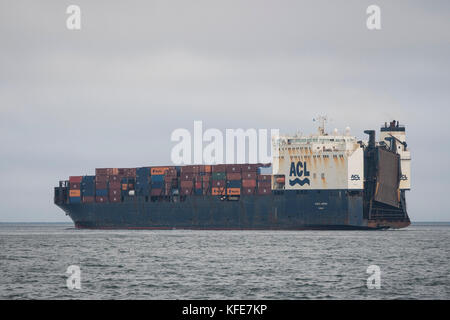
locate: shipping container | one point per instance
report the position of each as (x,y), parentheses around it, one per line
(74,199)
(186,191)
(156,192)
(143,172)
(114,192)
(101,178)
(249,183)
(234,184)
(186,176)
(74,185)
(198,191)
(114,185)
(218,168)
(115,198)
(74,193)
(218,191)
(218,183)
(206,178)
(157,185)
(101,192)
(198,185)
(233,191)
(101,198)
(207,169)
(249,175)
(88,199)
(264,177)
(187,169)
(158,170)
(100,185)
(114,178)
(187,184)
(264,184)
(219,176)
(124,186)
(233,168)
(234,176)
(75,179)
(157,178)
(103,171)
(250,167)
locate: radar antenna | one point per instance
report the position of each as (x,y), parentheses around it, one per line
(322,120)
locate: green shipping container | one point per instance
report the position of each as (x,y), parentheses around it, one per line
(219,176)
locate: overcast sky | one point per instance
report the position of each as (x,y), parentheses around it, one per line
(110,94)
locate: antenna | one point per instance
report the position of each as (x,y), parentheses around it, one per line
(322,120)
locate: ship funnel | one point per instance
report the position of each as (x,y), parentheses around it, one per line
(371,134)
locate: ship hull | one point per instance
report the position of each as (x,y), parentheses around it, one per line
(288,210)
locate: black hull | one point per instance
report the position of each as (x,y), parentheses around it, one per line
(288,210)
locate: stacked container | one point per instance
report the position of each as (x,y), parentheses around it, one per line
(75,189)
(101,183)
(88,189)
(142,181)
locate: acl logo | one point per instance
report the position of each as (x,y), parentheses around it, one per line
(355,177)
(298,171)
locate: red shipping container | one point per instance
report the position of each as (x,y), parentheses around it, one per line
(114,192)
(264,190)
(156,192)
(250,167)
(101,178)
(264,184)
(101,199)
(206,178)
(218,168)
(187,184)
(264,177)
(248,191)
(249,183)
(74,185)
(234,176)
(233,168)
(114,185)
(187,169)
(114,198)
(198,185)
(103,171)
(206,184)
(186,191)
(75,179)
(249,175)
(88,199)
(100,185)
(218,183)
(114,178)
(186,176)
(172,172)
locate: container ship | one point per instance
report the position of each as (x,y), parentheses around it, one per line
(319,181)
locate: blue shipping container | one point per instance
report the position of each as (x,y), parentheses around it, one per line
(101,192)
(74,199)
(158,178)
(234,183)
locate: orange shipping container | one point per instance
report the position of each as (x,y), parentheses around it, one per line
(74,193)
(158,170)
(218,191)
(207,168)
(233,191)
(124,186)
